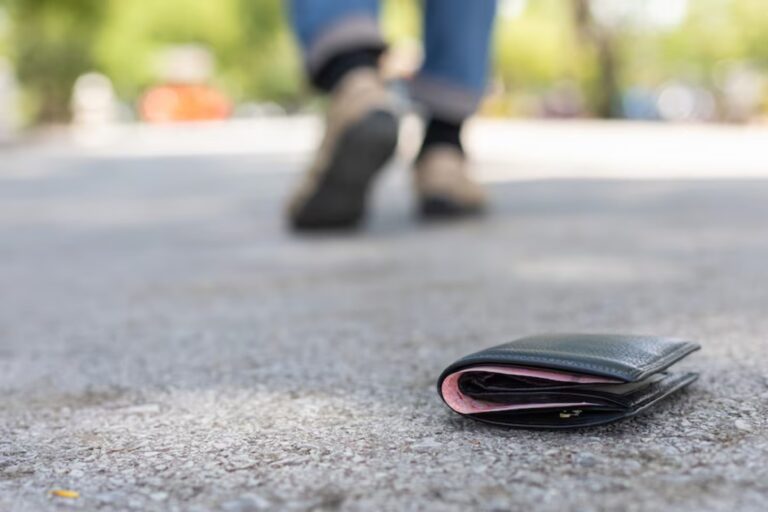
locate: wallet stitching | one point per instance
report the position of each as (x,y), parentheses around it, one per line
(649,367)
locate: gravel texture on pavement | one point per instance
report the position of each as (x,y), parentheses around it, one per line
(165,344)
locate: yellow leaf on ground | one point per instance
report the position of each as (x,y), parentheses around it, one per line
(65,493)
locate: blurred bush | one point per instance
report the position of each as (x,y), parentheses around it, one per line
(52,43)
(55,41)
(249,40)
(553,57)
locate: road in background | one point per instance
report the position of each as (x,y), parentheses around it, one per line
(168,345)
(507,150)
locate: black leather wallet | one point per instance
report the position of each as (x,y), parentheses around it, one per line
(565,380)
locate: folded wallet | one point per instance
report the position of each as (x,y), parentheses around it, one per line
(565,380)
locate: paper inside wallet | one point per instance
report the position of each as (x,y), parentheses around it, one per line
(462,403)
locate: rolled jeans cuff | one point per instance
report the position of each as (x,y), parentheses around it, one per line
(444,100)
(351,33)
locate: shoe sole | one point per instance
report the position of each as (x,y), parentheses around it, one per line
(436,208)
(339,200)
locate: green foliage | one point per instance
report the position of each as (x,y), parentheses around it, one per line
(267,64)
(54,41)
(541,47)
(401,19)
(5,27)
(134,31)
(57,40)
(253,51)
(537,48)
(53,46)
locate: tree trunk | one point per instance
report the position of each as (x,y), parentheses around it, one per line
(608,93)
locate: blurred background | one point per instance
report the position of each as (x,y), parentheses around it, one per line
(97,61)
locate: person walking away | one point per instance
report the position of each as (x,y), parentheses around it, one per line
(341,44)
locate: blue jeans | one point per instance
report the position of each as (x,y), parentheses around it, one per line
(457,37)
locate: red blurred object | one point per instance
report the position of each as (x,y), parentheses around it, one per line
(184,102)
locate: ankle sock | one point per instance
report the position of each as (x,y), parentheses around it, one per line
(441,132)
(334,70)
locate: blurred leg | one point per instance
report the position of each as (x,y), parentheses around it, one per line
(457,36)
(342,44)
(450,85)
(336,36)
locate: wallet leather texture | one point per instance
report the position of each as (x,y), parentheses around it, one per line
(565,380)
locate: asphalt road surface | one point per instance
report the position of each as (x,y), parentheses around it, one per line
(165,344)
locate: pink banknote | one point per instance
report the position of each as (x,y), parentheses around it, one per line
(464,404)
